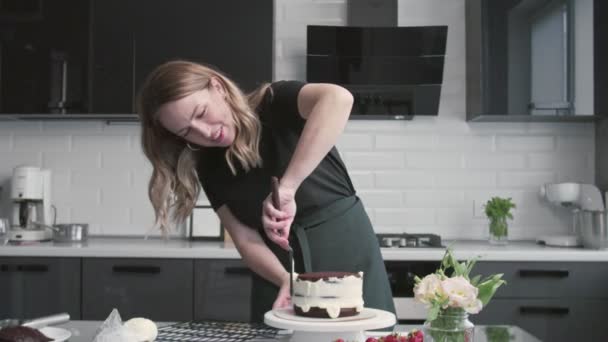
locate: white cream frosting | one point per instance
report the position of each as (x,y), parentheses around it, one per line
(331,294)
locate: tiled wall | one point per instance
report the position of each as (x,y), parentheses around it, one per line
(425,175)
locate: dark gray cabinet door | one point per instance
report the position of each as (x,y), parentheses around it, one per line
(222,290)
(158,289)
(548,279)
(33,287)
(550,319)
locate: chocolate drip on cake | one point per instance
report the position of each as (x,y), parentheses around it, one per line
(328,294)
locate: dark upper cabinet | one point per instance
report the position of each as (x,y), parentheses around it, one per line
(535,60)
(75,56)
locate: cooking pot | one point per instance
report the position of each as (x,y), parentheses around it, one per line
(591,228)
(70,232)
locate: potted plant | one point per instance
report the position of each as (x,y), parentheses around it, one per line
(498,210)
(451,295)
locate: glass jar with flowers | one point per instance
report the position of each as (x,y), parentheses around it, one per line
(451,296)
(498,210)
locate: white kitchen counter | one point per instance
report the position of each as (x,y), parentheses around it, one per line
(123,247)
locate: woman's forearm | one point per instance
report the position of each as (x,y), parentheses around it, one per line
(325,122)
(252,248)
(260,259)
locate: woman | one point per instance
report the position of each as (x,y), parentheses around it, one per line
(197,126)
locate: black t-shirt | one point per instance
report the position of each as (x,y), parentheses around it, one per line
(282,125)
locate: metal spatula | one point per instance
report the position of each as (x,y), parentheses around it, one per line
(276,201)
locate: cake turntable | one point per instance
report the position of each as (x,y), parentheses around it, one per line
(306,329)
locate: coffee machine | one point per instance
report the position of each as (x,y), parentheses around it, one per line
(31,207)
(577,198)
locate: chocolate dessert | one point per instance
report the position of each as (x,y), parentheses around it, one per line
(22,334)
(328,294)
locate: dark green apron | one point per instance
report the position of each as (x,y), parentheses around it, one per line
(338,237)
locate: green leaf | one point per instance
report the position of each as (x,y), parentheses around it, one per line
(433,312)
(475,280)
(488,288)
(498,207)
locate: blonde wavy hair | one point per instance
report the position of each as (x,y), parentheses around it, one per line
(174,182)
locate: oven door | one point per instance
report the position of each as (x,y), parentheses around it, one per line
(401,276)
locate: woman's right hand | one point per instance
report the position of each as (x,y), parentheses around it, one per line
(277,223)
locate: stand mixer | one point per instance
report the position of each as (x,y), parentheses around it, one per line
(578,198)
(31,196)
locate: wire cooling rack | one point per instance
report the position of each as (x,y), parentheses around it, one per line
(216,331)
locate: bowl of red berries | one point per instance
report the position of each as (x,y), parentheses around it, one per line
(412,336)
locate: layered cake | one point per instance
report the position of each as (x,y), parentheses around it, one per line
(328,294)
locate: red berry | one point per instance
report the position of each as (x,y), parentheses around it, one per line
(390,338)
(339,340)
(371,339)
(402,339)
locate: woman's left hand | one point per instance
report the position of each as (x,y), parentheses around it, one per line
(277,222)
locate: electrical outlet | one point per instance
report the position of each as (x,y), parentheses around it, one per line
(479,210)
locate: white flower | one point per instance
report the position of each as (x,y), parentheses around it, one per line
(461,294)
(474,307)
(428,288)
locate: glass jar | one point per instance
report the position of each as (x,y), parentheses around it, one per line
(499,230)
(451,325)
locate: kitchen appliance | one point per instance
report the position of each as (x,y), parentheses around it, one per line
(392,72)
(581,200)
(406,240)
(31,196)
(70,232)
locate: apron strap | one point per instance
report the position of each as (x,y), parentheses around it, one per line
(315,218)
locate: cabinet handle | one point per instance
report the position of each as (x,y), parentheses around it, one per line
(544,273)
(237,271)
(136,269)
(544,310)
(33,268)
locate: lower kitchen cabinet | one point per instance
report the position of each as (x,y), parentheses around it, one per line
(550,319)
(158,289)
(34,287)
(555,301)
(222,290)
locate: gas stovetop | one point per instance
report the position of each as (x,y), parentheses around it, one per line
(406,240)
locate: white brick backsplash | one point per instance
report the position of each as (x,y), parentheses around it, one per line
(423,175)
(525,179)
(575,144)
(381,199)
(495,161)
(405,217)
(72,160)
(46,143)
(464,179)
(403,179)
(355,142)
(404,142)
(465,143)
(94,143)
(323,13)
(72,127)
(433,160)
(6,143)
(434,199)
(559,161)
(454,216)
(20,127)
(101,178)
(362,179)
(525,143)
(373,160)
(119,159)
(12,159)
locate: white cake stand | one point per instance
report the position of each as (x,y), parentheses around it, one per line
(319,329)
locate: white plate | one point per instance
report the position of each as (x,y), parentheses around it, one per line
(57,334)
(289,314)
